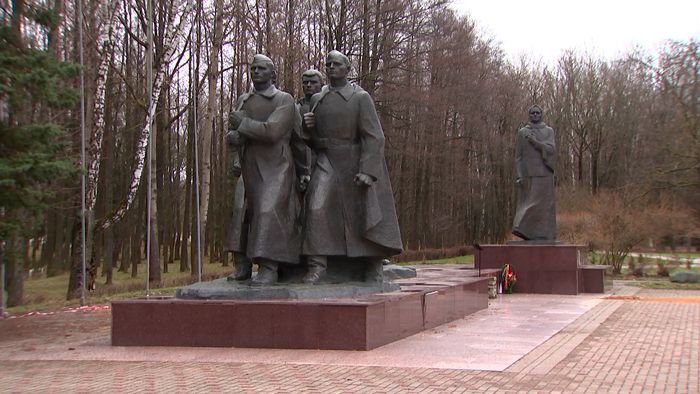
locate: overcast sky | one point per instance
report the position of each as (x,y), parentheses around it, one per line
(545,28)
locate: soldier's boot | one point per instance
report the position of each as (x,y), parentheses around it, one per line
(243,267)
(267,273)
(374,270)
(317,269)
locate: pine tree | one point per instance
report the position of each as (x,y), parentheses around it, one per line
(33,153)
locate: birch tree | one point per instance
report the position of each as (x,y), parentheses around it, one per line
(210,115)
(173,35)
(105,38)
(175,23)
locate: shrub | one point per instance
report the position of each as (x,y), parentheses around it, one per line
(661,268)
(631,266)
(638,269)
(627,218)
(575,227)
(432,254)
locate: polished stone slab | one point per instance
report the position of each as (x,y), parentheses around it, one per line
(392,271)
(356,323)
(223,289)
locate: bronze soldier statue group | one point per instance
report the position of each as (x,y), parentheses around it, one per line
(311,189)
(314,185)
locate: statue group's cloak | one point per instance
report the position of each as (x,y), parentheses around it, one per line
(342,218)
(266,220)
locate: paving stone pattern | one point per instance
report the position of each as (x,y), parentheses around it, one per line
(618,346)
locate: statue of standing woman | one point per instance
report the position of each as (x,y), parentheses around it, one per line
(535,156)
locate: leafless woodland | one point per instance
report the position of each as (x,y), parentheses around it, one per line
(449,99)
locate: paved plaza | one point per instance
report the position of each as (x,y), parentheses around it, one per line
(628,341)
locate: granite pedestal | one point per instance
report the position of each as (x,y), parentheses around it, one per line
(352,323)
(546,267)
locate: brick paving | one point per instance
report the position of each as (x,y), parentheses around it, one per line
(635,345)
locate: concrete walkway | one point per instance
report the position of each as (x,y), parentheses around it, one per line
(633,341)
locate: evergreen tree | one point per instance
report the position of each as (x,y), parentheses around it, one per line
(33,152)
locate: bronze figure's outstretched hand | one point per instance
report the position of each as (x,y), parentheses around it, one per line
(234,139)
(310,120)
(363,180)
(533,141)
(234,119)
(304,182)
(237,170)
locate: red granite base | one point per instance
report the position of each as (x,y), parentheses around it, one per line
(362,323)
(594,278)
(546,269)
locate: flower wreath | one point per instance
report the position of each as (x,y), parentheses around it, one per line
(508,278)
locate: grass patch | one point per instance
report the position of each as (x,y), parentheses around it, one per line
(467,259)
(595,257)
(676,254)
(663,284)
(49,294)
(650,278)
(656,267)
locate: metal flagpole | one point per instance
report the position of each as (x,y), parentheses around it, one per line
(2,273)
(149,71)
(2,289)
(82,152)
(196,159)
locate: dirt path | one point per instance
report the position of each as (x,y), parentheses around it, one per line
(63,329)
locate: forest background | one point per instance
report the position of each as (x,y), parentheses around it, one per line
(449,99)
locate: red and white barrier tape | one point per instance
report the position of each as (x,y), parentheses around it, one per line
(72,310)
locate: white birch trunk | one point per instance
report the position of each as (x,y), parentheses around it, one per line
(98,124)
(172,37)
(154,268)
(97,128)
(209,119)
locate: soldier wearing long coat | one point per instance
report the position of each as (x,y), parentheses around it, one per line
(266,225)
(535,156)
(311,82)
(349,207)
